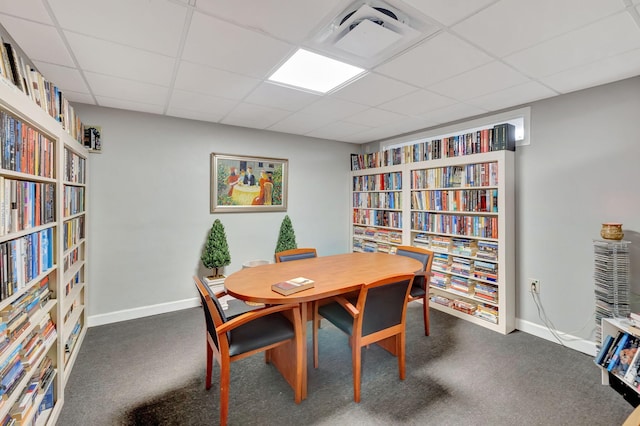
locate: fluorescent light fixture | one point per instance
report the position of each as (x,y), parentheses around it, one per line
(308,70)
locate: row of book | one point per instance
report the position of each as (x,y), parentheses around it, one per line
(496,138)
(25,204)
(18,71)
(458,176)
(73,282)
(378,182)
(73,200)
(465,200)
(470,226)
(23,259)
(71,341)
(620,355)
(378,234)
(465,286)
(25,149)
(384,218)
(72,232)
(377,200)
(14,319)
(74,167)
(486,250)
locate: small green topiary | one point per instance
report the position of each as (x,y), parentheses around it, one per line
(216,252)
(287,237)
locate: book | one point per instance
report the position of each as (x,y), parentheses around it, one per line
(292,286)
(623,355)
(606,344)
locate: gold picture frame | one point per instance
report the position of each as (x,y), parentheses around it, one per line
(248,184)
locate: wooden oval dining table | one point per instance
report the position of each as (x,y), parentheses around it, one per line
(332,275)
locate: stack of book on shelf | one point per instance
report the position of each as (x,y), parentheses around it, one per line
(485,270)
(461,285)
(487,250)
(486,292)
(440,261)
(463,306)
(487,312)
(436,298)
(461,266)
(464,246)
(439,279)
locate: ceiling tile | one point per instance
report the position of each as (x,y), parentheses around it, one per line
(65,78)
(605,71)
(194,115)
(105,85)
(254,116)
(209,81)
(250,53)
(434,60)
(300,123)
(108,102)
(33,10)
(611,36)
(293,21)
(269,94)
(417,103)
(516,95)
(332,109)
(374,117)
(373,89)
(154,25)
(454,112)
(480,81)
(523,23)
(337,130)
(215,108)
(29,36)
(77,97)
(448,11)
(121,61)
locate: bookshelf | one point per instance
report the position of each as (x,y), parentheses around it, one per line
(454,196)
(43,253)
(377,210)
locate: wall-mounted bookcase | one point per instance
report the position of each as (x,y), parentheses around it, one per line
(42,252)
(458,202)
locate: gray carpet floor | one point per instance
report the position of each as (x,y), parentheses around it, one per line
(150,371)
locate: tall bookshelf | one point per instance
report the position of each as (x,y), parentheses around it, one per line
(458,201)
(377,210)
(43,256)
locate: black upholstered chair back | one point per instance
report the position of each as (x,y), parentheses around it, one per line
(383,306)
(207,295)
(296,254)
(423,256)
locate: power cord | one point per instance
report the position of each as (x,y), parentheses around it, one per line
(561,337)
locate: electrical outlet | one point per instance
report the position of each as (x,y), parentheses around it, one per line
(534,285)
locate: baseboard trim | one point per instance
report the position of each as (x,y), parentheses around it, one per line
(577,343)
(141,312)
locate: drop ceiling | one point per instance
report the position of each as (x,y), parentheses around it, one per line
(209,59)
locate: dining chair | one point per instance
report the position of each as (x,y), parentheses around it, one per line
(260,330)
(377,315)
(296,254)
(420,287)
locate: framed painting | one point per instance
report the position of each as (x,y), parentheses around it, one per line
(248,184)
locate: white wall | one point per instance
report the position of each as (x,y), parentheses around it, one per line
(580,170)
(149,206)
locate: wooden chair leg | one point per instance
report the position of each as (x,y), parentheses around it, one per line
(356,353)
(400,341)
(314,323)
(425,313)
(225,374)
(207,382)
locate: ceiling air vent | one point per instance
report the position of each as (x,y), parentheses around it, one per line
(369,31)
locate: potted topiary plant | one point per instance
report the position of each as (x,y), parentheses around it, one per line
(287,237)
(215,255)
